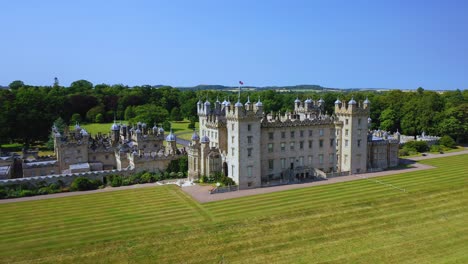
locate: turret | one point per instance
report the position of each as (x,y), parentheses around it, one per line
(248,104)
(258,107)
(207,109)
(366,104)
(115,132)
(171,143)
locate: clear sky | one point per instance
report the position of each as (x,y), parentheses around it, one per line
(344,44)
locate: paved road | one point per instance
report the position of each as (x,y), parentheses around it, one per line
(182,141)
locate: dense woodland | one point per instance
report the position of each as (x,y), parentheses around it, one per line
(27,112)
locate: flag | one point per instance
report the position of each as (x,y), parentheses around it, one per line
(241,83)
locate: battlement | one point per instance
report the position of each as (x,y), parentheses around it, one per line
(352,107)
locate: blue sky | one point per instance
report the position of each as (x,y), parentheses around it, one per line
(344,44)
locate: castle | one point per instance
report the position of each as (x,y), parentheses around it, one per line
(136,148)
(255,149)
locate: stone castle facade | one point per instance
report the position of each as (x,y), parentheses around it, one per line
(257,149)
(135,148)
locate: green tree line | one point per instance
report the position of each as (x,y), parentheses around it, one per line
(27,112)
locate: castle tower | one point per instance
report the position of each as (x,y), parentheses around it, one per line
(194,157)
(204,150)
(243,159)
(353,133)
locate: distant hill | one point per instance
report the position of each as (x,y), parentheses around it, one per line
(291,88)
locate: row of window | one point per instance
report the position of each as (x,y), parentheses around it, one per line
(292,145)
(299,161)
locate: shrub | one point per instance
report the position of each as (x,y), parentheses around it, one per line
(3,194)
(435,148)
(416,146)
(447,141)
(84,184)
(25,193)
(127,181)
(115,180)
(191,125)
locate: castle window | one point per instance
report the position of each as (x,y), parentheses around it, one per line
(282,146)
(359,121)
(346,132)
(78,151)
(359,131)
(301,145)
(232,139)
(270,147)
(249,127)
(283,134)
(346,121)
(337,132)
(321,132)
(310,133)
(249,152)
(144,146)
(310,143)
(283,163)
(107,157)
(359,143)
(310,160)
(291,145)
(331,142)
(321,143)
(302,133)
(249,139)
(270,164)
(321,158)
(331,157)
(249,171)
(232,127)
(232,149)
(346,143)
(292,134)
(270,135)
(345,159)
(301,161)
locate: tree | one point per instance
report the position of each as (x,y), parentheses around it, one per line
(150,114)
(16,85)
(129,113)
(81,86)
(175,114)
(56,82)
(99,118)
(389,120)
(75,119)
(93,112)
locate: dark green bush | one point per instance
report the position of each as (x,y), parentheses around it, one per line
(447,141)
(84,184)
(416,146)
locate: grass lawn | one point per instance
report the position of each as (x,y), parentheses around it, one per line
(104,128)
(352,222)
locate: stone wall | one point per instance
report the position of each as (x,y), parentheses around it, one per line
(67,179)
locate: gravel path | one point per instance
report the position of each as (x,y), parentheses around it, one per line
(202,195)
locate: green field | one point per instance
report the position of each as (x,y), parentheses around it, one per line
(104,128)
(352,222)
